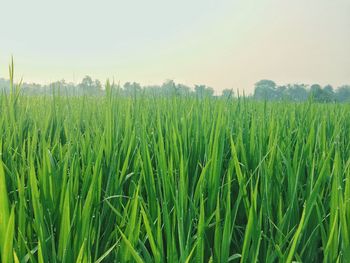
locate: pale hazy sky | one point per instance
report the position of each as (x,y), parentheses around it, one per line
(224,44)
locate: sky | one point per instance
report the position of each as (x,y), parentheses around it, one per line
(224,44)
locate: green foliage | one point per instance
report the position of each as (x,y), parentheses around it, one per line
(267,90)
(172,179)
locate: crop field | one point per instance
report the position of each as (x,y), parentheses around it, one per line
(172,179)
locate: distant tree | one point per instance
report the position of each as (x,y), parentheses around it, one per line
(321,95)
(265,90)
(199,90)
(183,90)
(328,88)
(281,92)
(87,82)
(132,88)
(315,88)
(329,93)
(98,84)
(297,92)
(316,92)
(203,91)
(209,91)
(153,90)
(88,86)
(169,87)
(227,93)
(342,94)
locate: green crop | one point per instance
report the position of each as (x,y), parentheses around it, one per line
(172,179)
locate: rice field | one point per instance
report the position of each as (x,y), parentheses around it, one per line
(172,179)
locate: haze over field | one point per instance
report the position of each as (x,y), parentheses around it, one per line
(224,44)
(130,138)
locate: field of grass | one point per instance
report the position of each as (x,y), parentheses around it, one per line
(180,179)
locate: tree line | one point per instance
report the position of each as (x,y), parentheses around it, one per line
(269,90)
(263,90)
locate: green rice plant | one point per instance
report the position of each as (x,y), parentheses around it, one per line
(172,179)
